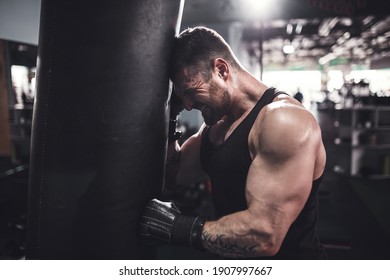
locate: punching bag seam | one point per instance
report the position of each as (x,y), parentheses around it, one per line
(44,130)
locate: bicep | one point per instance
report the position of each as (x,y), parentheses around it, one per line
(280,177)
(279,189)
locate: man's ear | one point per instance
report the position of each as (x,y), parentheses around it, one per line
(222,67)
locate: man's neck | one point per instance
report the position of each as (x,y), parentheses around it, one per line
(247,92)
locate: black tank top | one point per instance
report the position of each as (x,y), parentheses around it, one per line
(227,166)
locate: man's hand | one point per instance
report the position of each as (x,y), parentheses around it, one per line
(157,222)
(162,223)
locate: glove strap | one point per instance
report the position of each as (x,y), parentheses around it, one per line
(187,231)
(196,233)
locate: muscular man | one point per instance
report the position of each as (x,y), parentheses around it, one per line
(261,149)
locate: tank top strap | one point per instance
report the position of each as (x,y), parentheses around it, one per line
(267,97)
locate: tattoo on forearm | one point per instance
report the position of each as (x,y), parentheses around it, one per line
(223,246)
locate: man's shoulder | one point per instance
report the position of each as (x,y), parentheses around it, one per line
(282,125)
(283,111)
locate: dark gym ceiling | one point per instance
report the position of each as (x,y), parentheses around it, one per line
(338,31)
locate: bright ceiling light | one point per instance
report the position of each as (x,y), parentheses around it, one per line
(289,28)
(258,7)
(288,49)
(298,29)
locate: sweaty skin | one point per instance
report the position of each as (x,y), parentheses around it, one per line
(285,135)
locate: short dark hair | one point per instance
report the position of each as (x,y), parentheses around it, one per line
(196,48)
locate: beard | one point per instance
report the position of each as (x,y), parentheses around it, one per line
(220,103)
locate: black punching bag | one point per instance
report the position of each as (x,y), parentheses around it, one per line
(99,126)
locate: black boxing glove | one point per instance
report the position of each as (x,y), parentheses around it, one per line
(175,109)
(162,223)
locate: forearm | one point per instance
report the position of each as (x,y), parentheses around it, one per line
(233,236)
